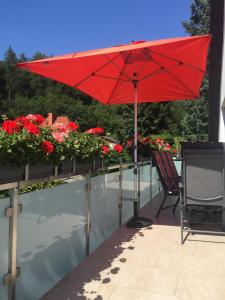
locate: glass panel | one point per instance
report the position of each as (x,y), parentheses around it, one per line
(4,238)
(144,185)
(104,208)
(51,237)
(128,193)
(156,187)
(178,164)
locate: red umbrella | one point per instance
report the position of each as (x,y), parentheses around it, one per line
(154,71)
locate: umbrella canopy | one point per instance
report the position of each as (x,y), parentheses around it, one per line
(155,71)
(166,70)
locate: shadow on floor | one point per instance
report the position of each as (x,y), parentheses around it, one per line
(99,266)
(95,269)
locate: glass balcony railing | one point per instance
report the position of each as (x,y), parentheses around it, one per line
(60,226)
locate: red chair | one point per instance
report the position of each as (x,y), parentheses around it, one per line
(168,176)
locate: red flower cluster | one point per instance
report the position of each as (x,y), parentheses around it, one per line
(105,150)
(31,128)
(59,127)
(38,119)
(30,123)
(129,143)
(59,136)
(118,148)
(22,121)
(10,126)
(167,147)
(47,147)
(72,126)
(96,130)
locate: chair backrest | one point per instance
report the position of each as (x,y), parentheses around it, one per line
(203,173)
(166,169)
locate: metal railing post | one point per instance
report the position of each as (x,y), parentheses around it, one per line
(11,212)
(120,204)
(13,242)
(74,165)
(56,168)
(26,177)
(88,213)
(139,187)
(150,165)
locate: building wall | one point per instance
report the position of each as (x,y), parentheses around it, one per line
(216,72)
(222,89)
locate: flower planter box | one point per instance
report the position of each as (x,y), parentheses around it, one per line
(41,171)
(66,167)
(82,168)
(11,173)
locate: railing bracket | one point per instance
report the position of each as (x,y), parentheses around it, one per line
(87,227)
(7,278)
(87,186)
(9,210)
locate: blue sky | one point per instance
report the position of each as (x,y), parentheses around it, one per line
(57,27)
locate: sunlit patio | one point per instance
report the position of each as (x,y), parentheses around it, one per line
(149,263)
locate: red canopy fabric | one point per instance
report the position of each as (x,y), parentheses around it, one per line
(166,70)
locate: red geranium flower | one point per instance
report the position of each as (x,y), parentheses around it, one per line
(31,117)
(47,147)
(59,136)
(146,140)
(158,140)
(167,147)
(174,151)
(60,127)
(118,148)
(31,128)
(10,126)
(38,119)
(129,143)
(105,150)
(72,126)
(22,121)
(97,130)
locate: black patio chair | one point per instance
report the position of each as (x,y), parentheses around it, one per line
(202,199)
(168,176)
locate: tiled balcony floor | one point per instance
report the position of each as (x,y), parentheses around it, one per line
(149,264)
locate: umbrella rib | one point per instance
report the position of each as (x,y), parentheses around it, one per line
(143,65)
(184,85)
(175,77)
(121,72)
(177,60)
(152,74)
(93,73)
(108,77)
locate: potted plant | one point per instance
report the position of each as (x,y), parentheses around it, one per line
(88,149)
(177,142)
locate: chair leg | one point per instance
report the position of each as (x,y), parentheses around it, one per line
(182,224)
(161,206)
(175,206)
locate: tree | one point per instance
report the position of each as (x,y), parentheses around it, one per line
(195,122)
(198,22)
(10,72)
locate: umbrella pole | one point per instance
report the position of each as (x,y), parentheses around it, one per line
(136,221)
(135,151)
